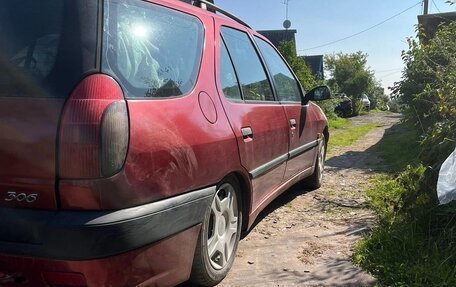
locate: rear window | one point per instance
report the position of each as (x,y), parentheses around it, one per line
(46,46)
(153,51)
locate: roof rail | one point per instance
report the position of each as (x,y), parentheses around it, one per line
(205,4)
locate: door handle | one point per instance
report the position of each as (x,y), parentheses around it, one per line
(247,133)
(292,123)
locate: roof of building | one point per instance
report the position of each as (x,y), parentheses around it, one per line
(431,22)
(278,36)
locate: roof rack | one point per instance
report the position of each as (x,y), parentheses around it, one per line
(204,4)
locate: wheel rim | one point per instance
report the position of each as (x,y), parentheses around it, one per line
(321,160)
(223,226)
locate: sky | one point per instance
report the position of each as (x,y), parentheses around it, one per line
(319,22)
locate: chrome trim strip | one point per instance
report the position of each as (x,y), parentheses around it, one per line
(268,166)
(283,158)
(302,149)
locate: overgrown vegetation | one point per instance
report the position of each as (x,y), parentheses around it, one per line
(414,243)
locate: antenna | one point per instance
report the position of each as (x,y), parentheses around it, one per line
(286,3)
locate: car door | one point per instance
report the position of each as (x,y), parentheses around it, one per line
(257,119)
(300,118)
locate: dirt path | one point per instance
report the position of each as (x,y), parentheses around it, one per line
(305,238)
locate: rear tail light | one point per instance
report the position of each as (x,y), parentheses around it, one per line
(114,143)
(94,130)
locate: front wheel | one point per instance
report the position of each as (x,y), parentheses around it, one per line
(219,236)
(315,180)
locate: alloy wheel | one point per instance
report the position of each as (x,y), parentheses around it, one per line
(223,226)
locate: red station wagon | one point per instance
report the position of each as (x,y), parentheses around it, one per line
(138,139)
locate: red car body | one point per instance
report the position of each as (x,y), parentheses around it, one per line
(60,230)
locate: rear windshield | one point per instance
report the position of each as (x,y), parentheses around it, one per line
(46,46)
(154,52)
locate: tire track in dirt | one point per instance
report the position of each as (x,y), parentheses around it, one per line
(305,238)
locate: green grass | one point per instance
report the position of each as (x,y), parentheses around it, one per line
(349,135)
(400,146)
(338,123)
(414,242)
(407,256)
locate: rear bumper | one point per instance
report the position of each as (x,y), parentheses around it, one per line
(82,235)
(165,263)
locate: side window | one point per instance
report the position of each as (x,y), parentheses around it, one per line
(287,87)
(230,84)
(153,51)
(252,76)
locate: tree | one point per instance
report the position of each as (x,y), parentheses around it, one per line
(350,75)
(349,72)
(377,96)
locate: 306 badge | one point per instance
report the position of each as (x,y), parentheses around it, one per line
(21,197)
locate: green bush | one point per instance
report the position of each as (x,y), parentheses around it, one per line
(395,106)
(428,91)
(405,254)
(328,107)
(414,243)
(381,102)
(402,198)
(357,106)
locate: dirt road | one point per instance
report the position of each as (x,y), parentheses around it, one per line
(305,238)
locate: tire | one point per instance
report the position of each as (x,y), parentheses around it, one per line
(314,181)
(219,236)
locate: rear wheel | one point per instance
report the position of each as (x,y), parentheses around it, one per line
(219,236)
(315,180)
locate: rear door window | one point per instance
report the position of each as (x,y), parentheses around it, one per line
(230,84)
(252,76)
(286,86)
(46,46)
(154,52)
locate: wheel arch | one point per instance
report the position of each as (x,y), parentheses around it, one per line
(246,196)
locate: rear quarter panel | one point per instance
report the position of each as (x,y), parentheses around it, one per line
(174,147)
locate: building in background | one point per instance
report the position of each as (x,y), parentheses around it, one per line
(278,36)
(315,62)
(430,22)
(316,66)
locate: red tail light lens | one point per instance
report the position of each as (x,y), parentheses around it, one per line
(94,130)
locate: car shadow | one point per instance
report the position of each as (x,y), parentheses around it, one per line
(337,272)
(286,197)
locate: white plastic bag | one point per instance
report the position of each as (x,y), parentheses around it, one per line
(446,185)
